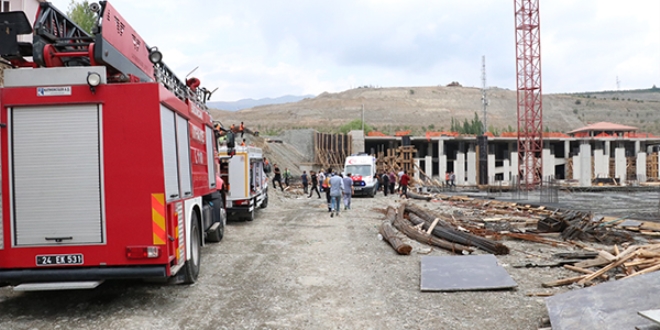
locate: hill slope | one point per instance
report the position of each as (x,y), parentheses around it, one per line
(417,108)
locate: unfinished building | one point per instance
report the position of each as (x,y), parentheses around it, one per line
(586,156)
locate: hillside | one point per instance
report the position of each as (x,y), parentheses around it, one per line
(418,108)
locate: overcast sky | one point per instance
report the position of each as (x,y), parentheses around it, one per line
(257,49)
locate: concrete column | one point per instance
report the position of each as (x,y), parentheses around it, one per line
(585,164)
(507,170)
(416,169)
(620,164)
(428,166)
(637,146)
(548,164)
(606,151)
(471,167)
(357,141)
(514,165)
(601,164)
(491,168)
(459,168)
(641,167)
(576,168)
(442,164)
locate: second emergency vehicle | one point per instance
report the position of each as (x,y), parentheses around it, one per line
(246,182)
(363,172)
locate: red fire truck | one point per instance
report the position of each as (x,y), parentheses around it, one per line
(108,159)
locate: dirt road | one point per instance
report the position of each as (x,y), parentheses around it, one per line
(294,267)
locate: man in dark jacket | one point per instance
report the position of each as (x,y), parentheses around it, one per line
(278,177)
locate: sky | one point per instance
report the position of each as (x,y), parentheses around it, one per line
(257,49)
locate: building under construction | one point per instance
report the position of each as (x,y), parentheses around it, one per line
(602,152)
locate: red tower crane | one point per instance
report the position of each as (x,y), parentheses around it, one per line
(530,109)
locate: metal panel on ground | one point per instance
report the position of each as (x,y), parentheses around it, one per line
(653,315)
(464,273)
(611,305)
(170,164)
(56,183)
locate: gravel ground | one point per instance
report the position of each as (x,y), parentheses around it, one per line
(295,267)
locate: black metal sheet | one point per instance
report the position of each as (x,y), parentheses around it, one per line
(464,273)
(611,305)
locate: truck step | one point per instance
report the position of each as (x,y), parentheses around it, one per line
(85,285)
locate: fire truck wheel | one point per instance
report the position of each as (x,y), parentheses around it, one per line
(264,203)
(191,268)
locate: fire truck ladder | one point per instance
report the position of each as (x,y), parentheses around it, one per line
(58,41)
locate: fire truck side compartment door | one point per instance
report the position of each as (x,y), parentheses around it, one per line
(170,164)
(55,175)
(183,144)
(210,157)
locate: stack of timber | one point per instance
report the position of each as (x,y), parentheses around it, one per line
(390,234)
(425,237)
(631,167)
(634,260)
(440,227)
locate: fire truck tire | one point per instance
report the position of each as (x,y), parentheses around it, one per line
(191,268)
(264,203)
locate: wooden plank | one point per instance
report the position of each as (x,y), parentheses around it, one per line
(648,225)
(607,268)
(564,281)
(433,224)
(598,261)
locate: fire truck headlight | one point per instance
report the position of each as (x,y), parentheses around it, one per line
(93,79)
(155,56)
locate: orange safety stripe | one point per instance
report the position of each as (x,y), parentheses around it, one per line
(158,218)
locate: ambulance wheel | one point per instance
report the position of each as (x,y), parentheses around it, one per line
(250,215)
(191,268)
(264,203)
(372,193)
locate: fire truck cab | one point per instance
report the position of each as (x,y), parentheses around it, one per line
(247,185)
(108,159)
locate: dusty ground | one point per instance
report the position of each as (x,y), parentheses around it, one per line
(295,267)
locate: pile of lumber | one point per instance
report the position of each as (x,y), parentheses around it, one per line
(634,260)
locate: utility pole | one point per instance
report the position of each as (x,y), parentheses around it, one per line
(362,118)
(484,100)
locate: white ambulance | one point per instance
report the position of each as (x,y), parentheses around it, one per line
(245,181)
(363,172)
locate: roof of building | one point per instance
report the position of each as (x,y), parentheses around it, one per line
(604,126)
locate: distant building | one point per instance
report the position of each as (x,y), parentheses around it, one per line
(604,129)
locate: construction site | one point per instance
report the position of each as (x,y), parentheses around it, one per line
(163,221)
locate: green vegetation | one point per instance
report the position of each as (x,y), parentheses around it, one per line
(474,127)
(355,125)
(80,13)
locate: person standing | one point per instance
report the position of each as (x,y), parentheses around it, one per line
(336,190)
(403,184)
(447,179)
(241,129)
(452,179)
(392,182)
(315,184)
(305,183)
(348,191)
(399,175)
(326,188)
(386,182)
(287,176)
(278,177)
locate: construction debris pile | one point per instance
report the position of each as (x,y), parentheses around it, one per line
(465,224)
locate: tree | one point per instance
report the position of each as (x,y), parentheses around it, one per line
(355,125)
(80,13)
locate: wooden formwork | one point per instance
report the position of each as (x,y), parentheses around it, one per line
(631,167)
(612,167)
(652,166)
(330,150)
(401,158)
(569,168)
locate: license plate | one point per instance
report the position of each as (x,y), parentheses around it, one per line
(357,188)
(60,259)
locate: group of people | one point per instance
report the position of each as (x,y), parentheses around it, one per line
(277,177)
(336,186)
(388,181)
